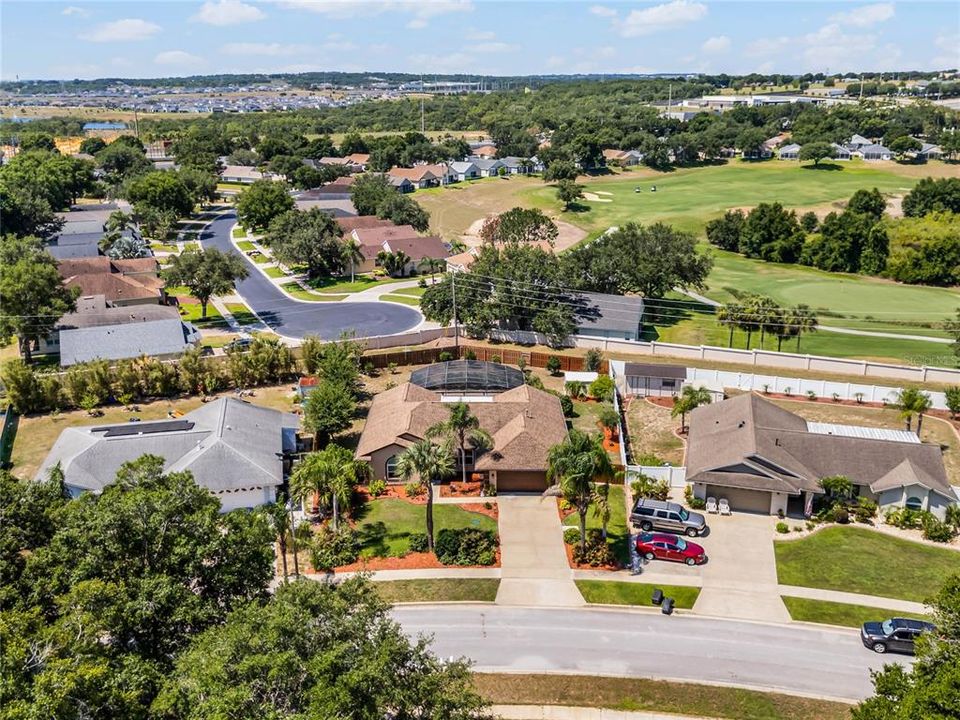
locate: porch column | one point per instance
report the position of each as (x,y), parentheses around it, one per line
(807,503)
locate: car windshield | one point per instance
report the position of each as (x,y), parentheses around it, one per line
(684,514)
(887,627)
(681,543)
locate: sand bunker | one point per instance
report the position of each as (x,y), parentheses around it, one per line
(593,197)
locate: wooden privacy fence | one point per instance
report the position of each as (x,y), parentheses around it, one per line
(415,356)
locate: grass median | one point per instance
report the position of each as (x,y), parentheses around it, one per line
(843,614)
(438,590)
(613,592)
(294,290)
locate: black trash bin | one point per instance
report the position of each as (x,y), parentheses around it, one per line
(667,607)
(657,597)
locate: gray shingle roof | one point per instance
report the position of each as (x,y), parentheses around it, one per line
(227,444)
(115,342)
(616,313)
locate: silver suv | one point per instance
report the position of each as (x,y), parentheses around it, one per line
(662,515)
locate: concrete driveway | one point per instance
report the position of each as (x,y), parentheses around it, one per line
(533,562)
(740,579)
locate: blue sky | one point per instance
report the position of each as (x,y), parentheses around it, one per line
(155,39)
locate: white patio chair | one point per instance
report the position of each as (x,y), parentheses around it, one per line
(711,505)
(724,506)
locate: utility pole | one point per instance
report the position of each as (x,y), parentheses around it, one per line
(456,324)
(136,123)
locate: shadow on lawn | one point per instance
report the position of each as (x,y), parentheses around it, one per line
(823,166)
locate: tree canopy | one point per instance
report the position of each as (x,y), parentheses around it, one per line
(312,238)
(261,202)
(206,273)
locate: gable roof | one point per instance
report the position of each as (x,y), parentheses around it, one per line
(359,222)
(419,172)
(167,336)
(524,422)
(93,311)
(616,313)
(377,234)
(227,444)
(417,247)
(114,286)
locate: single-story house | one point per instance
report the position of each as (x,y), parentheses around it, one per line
(359,160)
(487,167)
(417,248)
(361,222)
(928,151)
(875,152)
(462,261)
(243,175)
(840,152)
(763,458)
(165,338)
(423,176)
(401,184)
(858,141)
(790,152)
(122,282)
(465,170)
(517,165)
(622,158)
(609,316)
(484,150)
(233,449)
(523,421)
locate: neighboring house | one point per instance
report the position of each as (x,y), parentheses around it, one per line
(875,152)
(306,385)
(361,222)
(857,142)
(396,238)
(609,316)
(517,165)
(790,152)
(763,458)
(422,176)
(760,153)
(523,421)
(417,248)
(461,262)
(159,150)
(623,158)
(484,150)
(928,151)
(400,183)
(654,380)
(245,175)
(233,449)
(359,160)
(83,229)
(167,338)
(462,171)
(487,167)
(840,152)
(122,282)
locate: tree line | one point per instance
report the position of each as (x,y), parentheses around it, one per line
(758,314)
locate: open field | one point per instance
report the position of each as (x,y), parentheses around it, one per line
(611,592)
(636,694)
(934,430)
(91,113)
(834,613)
(858,560)
(37,433)
(438,590)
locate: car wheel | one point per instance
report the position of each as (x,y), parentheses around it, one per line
(691,532)
(649,556)
(646,526)
(690,561)
(879,648)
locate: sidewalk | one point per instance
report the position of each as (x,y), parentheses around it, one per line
(564,712)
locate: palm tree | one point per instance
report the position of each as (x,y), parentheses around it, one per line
(430,463)
(748,320)
(766,313)
(401,260)
(331,475)
(575,465)
(690,399)
(910,402)
(279,520)
(803,320)
(461,429)
(432,266)
(457,246)
(730,315)
(352,254)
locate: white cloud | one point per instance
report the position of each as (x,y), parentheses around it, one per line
(766,46)
(264,49)
(339,45)
(555,61)
(492,47)
(421,10)
(179,58)
(831,47)
(481,35)
(865,15)
(662,17)
(228,12)
(603,11)
(452,62)
(716,45)
(417,24)
(125,30)
(74,10)
(949,55)
(606,51)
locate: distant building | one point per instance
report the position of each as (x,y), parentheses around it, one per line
(609,316)
(164,339)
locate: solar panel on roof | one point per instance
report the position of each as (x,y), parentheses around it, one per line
(149,428)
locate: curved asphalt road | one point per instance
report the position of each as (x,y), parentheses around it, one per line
(296,318)
(803,660)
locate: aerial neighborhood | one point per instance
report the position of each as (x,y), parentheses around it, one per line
(421,395)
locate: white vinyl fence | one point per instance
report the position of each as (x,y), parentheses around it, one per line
(675,476)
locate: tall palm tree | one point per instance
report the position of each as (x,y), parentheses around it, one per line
(803,320)
(331,475)
(279,520)
(730,315)
(575,465)
(766,312)
(462,429)
(352,254)
(401,260)
(690,399)
(748,320)
(910,402)
(429,463)
(432,266)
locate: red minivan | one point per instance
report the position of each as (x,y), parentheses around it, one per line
(665,546)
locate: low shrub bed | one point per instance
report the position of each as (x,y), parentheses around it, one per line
(465,546)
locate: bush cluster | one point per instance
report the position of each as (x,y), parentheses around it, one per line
(377,487)
(647,487)
(598,552)
(413,489)
(933,528)
(571,536)
(466,546)
(332,549)
(419,542)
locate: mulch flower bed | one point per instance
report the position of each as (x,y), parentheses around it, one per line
(393,491)
(457,488)
(585,566)
(491,512)
(611,442)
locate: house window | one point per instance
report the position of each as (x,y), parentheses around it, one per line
(914,503)
(390,469)
(469,455)
(668,382)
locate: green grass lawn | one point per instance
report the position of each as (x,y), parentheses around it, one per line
(241,313)
(439,590)
(246,245)
(864,561)
(385,525)
(617,533)
(360,282)
(262,259)
(294,290)
(275,272)
(611,592)
(834,613)
(412,292)
(239,233)
(402,299)
(164,247)
(638,694)
(191,313)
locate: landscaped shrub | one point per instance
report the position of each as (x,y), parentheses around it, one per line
(566,404)
(936,530)
(905,518)
(649,460)
(598,551)
(413,489)
(419,542)
(782,527)
(377,487)
(691,500)
(495,358)
(331,549)
(571,536)
(553,365)
(953,517)
(839,514)
(446,356)
(647,487)
(469,355)
(592,360)
(865,511)
(811,395)
(602,388)
(811,525)
(466,546)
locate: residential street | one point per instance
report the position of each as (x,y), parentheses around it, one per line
(803,660)
(294,318)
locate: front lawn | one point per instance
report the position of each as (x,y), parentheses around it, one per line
(617,533)
(438,590)
(275,272)
(834,613)
(241,313)
(341,285)
(238,233)
(245,245)
(612,592)
(385,526)
(191,312)
(294,290)
(413,292)
(402,299)
(865,561)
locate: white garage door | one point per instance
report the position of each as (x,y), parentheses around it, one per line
(742,500)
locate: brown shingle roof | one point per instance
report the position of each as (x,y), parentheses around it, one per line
(377,235)
(418,248)
(349,224)
(524,422)
(134,278)
(113,286)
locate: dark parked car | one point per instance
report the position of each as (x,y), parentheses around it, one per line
(650,514)
(239,345)
(664,546)
(896,634)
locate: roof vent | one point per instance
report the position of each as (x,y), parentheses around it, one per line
(741,423)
